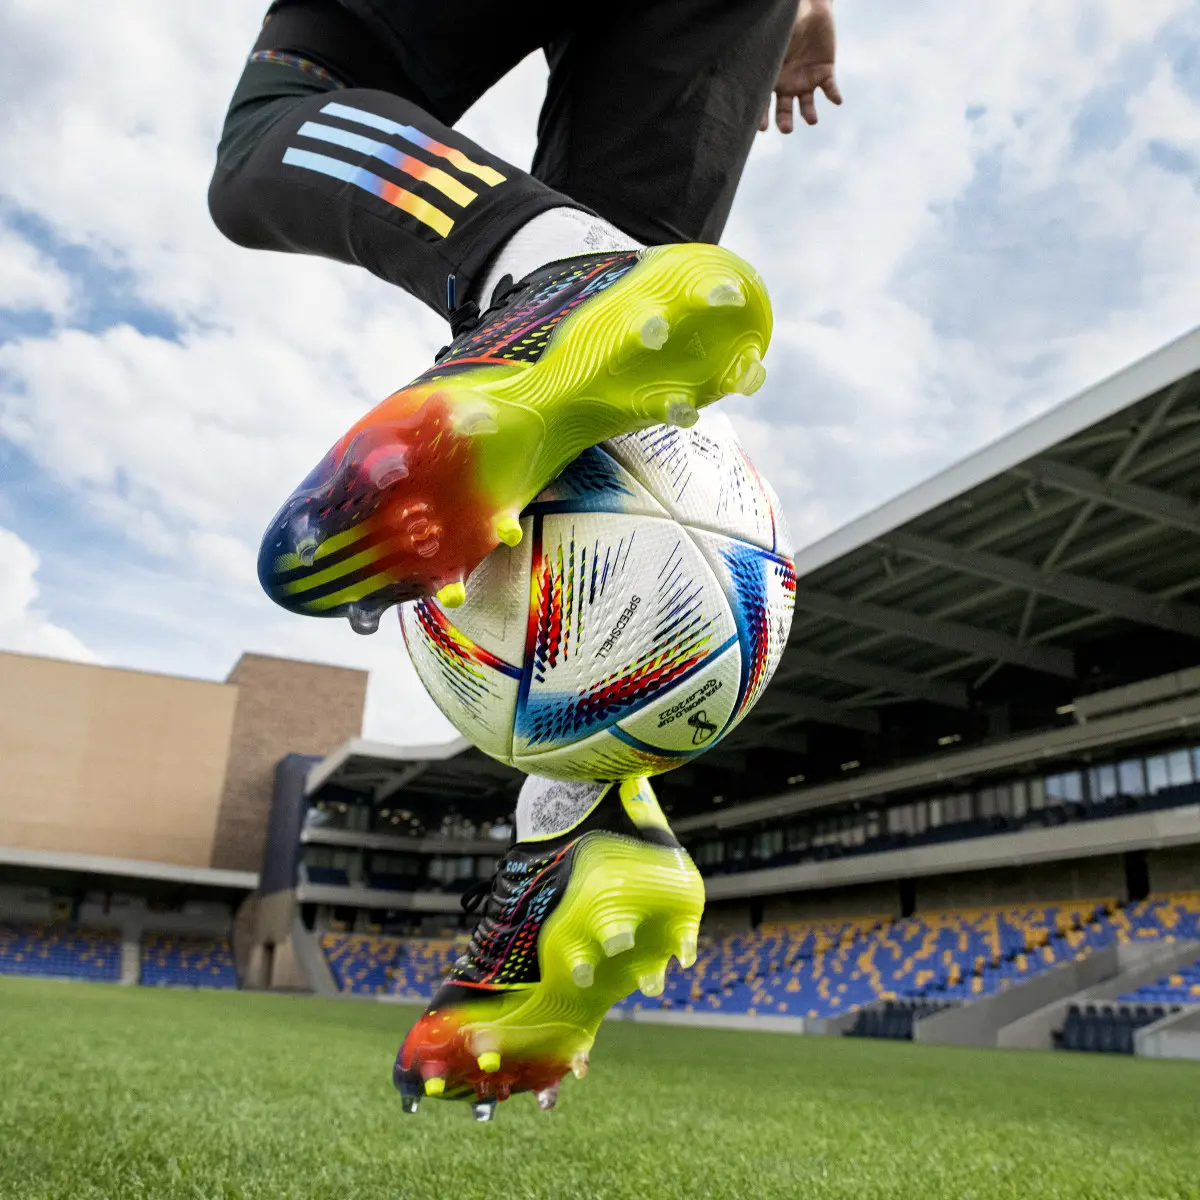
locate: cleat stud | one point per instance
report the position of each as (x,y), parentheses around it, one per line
(508,530)
(727,294)
(452,595)
(653,983)
(409,1104)
(489,1062)
(547,1098)
(471,420)
(653,333)
(363,620)
(306,551)
(681,414)
(483,1110)
(687,950)
(435,1086)
(747,375)
(386,467)
(618,941)
(583,974)
(579,1065)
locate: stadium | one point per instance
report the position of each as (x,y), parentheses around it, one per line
(952,859)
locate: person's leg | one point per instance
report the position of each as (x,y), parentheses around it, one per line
(592,337)
(328,149)
(651,110)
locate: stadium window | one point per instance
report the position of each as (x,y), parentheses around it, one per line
(1179,767)
(1037,794)
(1131,777)
(1020,799)
(1103,782)
(1070,785)
(1156,773)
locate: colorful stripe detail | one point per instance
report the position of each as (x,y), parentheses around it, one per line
(434,176)
(410,133)
(392,193)
(282,59)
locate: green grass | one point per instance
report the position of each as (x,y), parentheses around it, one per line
(113,1092)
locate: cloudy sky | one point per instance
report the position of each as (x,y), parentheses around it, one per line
(1005,210)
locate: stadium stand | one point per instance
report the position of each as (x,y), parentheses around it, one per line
(827,970)
(725,860)
(895,1019)
(891,972)
(169,960)
(1106,1029)
(367,965)
(59,951)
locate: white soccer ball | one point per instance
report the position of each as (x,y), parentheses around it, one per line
(635,624)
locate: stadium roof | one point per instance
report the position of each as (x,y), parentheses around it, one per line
(1006,570)
(387,772)
(122,869)
(1080,523)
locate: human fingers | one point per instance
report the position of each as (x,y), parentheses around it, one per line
(830,88)
(764,122)
(784,112)
(808,107)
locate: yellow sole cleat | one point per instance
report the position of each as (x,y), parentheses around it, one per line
(421,489)
(523,1009)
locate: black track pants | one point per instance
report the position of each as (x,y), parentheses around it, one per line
(339,140)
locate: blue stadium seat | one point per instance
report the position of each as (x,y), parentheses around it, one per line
(171,960)
(58,951)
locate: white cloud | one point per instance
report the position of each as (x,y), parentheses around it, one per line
(23,625)
(28,280)
(888,235)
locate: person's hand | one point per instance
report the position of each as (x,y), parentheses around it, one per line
(807,66)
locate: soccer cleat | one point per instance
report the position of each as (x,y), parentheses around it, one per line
(424,486)
(518,1011)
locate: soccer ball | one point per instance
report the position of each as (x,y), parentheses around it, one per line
(636,622)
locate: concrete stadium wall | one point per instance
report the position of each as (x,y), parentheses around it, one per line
(26,904)
(724,920)
(1138,963)
(979,1023)
(283,707)
(264,947)
(1175,1036)
(869,900)
(1176,869)
(715,1020)
(104,761)
(312,961)
(1037,883)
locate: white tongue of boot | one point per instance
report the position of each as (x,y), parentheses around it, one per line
(551,235)
(548,807)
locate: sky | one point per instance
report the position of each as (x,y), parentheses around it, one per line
(1005,210)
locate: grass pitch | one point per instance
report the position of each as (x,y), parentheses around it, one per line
(114,1092)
